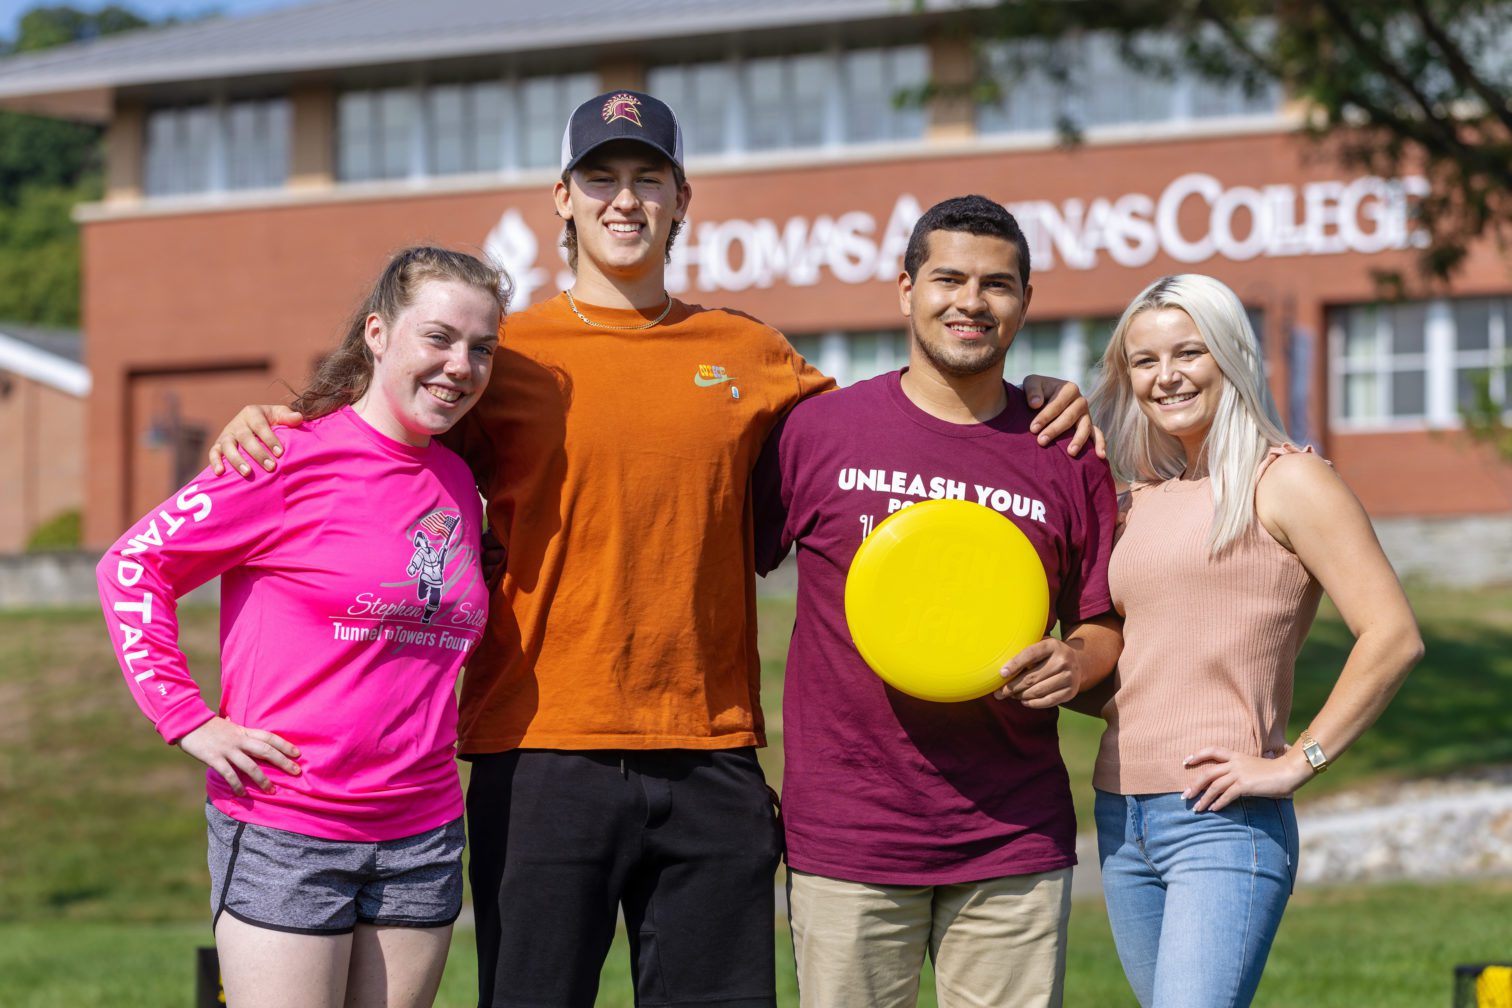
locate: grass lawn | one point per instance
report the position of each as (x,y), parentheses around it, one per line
(103,891)
(1383,946)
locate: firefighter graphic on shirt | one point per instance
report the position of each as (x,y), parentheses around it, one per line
(433,539)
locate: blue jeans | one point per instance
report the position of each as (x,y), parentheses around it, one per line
(1194,899)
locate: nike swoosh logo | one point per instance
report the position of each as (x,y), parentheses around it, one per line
(703,382)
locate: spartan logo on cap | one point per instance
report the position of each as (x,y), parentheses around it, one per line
(622,106)
(621,114)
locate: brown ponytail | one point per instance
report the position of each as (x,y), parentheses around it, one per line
(343,377)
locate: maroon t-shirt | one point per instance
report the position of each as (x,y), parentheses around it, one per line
(881,787)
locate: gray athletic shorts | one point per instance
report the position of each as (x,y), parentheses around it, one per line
(286,881)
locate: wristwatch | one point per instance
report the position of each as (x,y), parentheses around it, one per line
(1316,757)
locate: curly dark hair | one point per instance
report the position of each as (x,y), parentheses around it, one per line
(975,215)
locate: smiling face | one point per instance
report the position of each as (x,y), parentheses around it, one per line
(431,362)
(1173,375)
(623,200)
(965,304)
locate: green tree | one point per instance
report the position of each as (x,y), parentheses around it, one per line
(39,254)
(45,27)
(44,152)
(46,167)
(1391,85)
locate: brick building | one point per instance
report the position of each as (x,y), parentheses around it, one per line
(260,170)
(43,390)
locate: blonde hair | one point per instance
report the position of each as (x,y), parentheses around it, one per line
(1245,425)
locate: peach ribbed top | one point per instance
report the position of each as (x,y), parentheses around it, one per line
(1210,645)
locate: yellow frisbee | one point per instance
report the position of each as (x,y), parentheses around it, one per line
(941,595)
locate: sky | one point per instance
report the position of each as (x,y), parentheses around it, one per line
(11,10)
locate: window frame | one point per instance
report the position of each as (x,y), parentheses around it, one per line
(1441,362)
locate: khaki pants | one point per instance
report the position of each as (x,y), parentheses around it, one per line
(999,943)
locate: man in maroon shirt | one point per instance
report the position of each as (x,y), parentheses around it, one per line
(917,827)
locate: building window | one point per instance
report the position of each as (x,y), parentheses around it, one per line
(216,147)
(178,150)
(1102,90)
(467,123)
(1418,363)
(1069,348)
(452,128)
(878,83)
(1050,348)
(257,144)
(704,96)
(855,356)
(1062,348)
(795,101)
(546,104)
(786,100)
(1482,361)
(376,134)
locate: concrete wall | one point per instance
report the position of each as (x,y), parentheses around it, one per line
(56,580)
(1465,552)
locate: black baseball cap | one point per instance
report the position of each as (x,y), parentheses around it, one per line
(621,115)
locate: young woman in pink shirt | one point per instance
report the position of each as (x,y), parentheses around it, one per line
(1229,537)
(350,595)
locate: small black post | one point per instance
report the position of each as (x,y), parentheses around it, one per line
(207,983)
(1482,985)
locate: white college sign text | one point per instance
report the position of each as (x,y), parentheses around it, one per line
(1193,219)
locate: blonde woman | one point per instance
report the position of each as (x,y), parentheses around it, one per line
(1230,535)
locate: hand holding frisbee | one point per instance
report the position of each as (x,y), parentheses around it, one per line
(942,595)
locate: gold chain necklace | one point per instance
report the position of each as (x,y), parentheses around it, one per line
(601,325)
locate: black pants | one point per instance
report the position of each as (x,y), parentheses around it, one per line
(685,841)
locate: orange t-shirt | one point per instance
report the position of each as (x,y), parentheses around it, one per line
(616,464)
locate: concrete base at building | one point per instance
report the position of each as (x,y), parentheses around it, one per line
(1467,551)
(63,579)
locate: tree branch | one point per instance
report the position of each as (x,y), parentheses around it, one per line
(1208,12)
(1371,54)
(1476,170)
(1459,66)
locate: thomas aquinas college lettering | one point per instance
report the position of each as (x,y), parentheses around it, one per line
(1365,215)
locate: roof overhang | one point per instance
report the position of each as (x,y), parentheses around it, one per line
(21,358)
(78,81)
(92,105)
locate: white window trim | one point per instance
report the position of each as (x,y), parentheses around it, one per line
(834,357)
(514,113)
(419,130)
(1438,344)
(216,157)
(833,133)
(1440,361)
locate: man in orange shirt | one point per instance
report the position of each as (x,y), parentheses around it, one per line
(611,712)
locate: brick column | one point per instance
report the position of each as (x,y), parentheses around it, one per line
(312,143)
(952,68)
(125,154)
(622,73)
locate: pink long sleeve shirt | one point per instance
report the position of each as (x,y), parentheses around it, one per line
(350,595)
